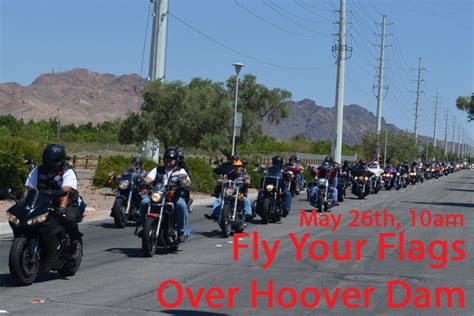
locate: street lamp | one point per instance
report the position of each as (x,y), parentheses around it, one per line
(237,67)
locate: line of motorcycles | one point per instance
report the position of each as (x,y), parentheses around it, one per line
(41,244)
(364,181)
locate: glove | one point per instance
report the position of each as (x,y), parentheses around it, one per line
(61,211)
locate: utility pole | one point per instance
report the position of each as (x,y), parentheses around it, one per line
(454,133)
(380,84)
(459,141)
(156,70)
(435,121)
(158,40)
(446,137)
(341,59)
(385,150)
(418,92)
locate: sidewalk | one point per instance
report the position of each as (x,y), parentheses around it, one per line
(102,211)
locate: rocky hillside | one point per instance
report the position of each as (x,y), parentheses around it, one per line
(81,95)
(316,122)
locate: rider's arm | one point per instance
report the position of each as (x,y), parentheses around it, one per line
(32,181)
(69,183)
(151,176)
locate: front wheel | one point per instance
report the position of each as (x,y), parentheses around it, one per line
(267,204)
(149,239)
(225,223)
(24,264)
(119,213)
(72,265)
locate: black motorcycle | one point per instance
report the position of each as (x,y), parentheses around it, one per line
(272,196)
(159,226)
(360,182)
(127,199)
(40,240)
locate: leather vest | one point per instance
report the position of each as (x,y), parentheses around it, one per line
(54,182)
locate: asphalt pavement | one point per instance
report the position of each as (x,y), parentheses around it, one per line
(115,278)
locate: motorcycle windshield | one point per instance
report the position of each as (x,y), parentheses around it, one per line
(275,180)
(35,203)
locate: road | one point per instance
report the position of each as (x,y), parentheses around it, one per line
(114,278)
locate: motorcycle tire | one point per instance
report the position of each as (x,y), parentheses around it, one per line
(267,203)
(169,241)
(225,225)
(326,207)
(149,239)
(71,266)
(360,195)
(118,213)
(19,271)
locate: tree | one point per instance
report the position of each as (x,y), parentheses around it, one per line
(400,146)
(466,104)
(200,113)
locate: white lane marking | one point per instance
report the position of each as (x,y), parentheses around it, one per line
(218,245)
(385,195)
(230,242)
(241,239)
(38,301)
(2,311)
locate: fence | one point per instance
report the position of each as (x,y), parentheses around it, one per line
(88,162)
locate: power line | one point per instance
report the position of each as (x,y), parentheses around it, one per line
(291,20)
(244,54)
(273,24)
(296,15)
(306,7)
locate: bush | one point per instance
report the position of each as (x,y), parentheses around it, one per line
(117,165)
(200,172)
(13,173)
(201,175)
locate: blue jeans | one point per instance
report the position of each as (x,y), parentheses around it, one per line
(299,181)
(180,212)
(286,200)
(218,203)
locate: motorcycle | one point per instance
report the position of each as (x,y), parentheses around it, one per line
(159,228)
(326,199)
(231,215)
(389,177)
(129,193)
(376,179)
(295,171)
(273,204)
(360,182)
(40,241)
(413,176)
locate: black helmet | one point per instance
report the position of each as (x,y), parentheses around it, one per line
(405,162)
(180,155)
(137,160)
(170,153)
(54,157)
(346,162)
(277,160)
(329,159)
(362,162)
(293,157)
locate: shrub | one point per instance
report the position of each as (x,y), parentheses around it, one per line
(13,173)
(201,175)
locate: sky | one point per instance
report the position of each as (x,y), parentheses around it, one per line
(285,43)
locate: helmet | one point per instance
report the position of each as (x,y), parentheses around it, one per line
(362,162)
(170,153)
(277,160)
(293,157)
(180,155)
(328,159)
(237,163)
(54,156)
(136,160)
(346,162)
(405,162)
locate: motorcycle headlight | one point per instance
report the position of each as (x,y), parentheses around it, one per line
(156,196)
(398,173)
(355,178)
(123,184)
(366,178)
(37,220)
(13,219)
(229,192)
(269,187)
(322,181)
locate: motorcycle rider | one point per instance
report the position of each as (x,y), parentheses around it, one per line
(163,174)
(56,174)
(180,161)
(329,165)
(186,192)
(277,169)
(136,166)
(295,164)
(359,169)
(238,172)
